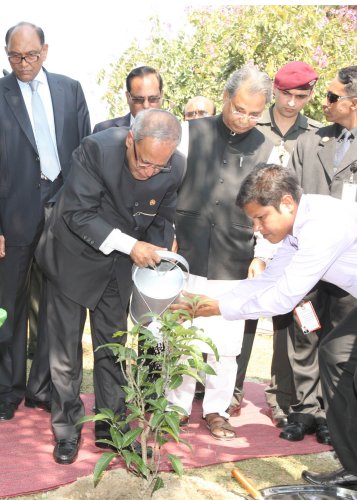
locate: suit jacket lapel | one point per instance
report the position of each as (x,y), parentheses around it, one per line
(326,154)
(57,96)
(17,105)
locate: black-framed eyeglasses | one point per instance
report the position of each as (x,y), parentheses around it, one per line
(29,58)
(152,99)
(331,97)
(144,164)
(198,112)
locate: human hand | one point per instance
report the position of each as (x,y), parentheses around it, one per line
(2,246)
(145,254)
(257,266)
(197,305)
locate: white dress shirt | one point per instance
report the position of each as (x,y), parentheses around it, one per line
(323,246)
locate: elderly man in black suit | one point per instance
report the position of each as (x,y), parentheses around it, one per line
(117,208)
(143,91)
(26,185)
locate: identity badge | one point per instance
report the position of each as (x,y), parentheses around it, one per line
(307,317)
(349,191)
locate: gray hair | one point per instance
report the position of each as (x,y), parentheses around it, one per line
(255,81)
(267,184)
(348,76)
(157,123)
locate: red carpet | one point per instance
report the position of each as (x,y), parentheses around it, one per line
(26,445)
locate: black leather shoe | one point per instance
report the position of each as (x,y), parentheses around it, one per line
(338,477)
(278,416)
(32,403)
(7,411)
(323,434)
(66,450)
(296,431)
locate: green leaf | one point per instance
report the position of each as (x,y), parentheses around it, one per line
(175,382)
(176,464)
(3,316)
(159,483)
(102,465)
(130,436)
(172,419)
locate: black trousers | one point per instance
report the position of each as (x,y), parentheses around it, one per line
(338,371)
(14,285)
(14,291)
(65,323)
(332,305)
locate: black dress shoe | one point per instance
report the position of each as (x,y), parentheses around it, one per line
(7,411)
(338,477)
(296,431)
(66,450)
(278,416)
(323,434)
(44,405)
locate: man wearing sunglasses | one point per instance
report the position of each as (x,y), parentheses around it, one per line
(116,209)
(325,162)
(143,91)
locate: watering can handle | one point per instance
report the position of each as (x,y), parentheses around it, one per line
(172,256)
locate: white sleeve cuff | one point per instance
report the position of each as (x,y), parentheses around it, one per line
(117,240)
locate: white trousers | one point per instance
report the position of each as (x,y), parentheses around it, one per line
(218,388)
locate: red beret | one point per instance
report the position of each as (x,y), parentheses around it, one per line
(295,75)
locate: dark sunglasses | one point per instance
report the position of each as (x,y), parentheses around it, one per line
(331,97)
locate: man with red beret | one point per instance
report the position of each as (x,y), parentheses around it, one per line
(283,123)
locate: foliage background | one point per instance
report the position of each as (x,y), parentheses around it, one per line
(217,41)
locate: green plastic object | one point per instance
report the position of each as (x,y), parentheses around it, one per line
(3,316)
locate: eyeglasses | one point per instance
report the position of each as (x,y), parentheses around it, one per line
(29,58)
(143,164)
(331,97)
(238,114)
(152,99)
(199,112)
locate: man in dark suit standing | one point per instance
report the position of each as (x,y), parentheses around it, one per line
(117,208)
(25,186)
(143,91)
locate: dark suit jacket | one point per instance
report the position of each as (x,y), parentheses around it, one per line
(122,121)
(313,161)
(21,210)
(213,234)
(100,195)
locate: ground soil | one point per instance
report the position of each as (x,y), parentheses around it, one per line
(205,483)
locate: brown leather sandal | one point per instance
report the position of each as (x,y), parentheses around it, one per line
(219,427)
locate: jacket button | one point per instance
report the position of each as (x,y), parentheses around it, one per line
(217,202)
(136,204)
(213,224)
(224,161)
(221,181)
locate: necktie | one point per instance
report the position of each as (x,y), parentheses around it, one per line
(341,148)
(50,166)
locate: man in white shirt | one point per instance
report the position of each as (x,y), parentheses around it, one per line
(319,242)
